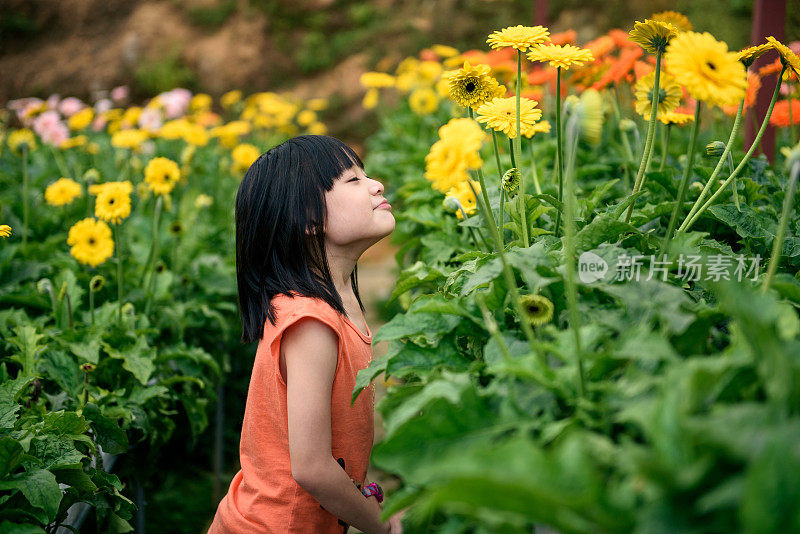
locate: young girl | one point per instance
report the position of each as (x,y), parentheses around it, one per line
(305,212)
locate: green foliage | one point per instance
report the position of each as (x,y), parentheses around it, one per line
(692,386)
(212,16)
(163,73)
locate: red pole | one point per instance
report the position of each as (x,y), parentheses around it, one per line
(769,18)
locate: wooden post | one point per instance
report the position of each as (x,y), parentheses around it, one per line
(769,18)
(540,8)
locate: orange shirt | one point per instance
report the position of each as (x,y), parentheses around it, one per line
(263,497)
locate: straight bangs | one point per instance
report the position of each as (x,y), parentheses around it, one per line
(280,215)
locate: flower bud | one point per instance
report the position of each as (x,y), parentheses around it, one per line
(91,175)
(792,156)
(88,367)
(451,204)
(96,283)
(44,285)
(715,149)
(627,125)
(511,179)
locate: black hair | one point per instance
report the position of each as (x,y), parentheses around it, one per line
(281,196)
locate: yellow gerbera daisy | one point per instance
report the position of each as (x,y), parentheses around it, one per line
(471,86)
(91,241)
(787,56)
(706,68)
(669,94)
(539,127)
(423,101)
(653,35)
(161,174)
(590,113)
(132,139)
(450,158)
(444,50)
(377,80)
(463,193)
(519,37)
(243,156)
(113,201)
(81,119)
(5,231)
(560,56)
(230,98)
(62,191)
(22,138)
(500,114)
(674,117)
(751,53)
(678,20)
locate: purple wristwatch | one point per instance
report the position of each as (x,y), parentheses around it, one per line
(373,489)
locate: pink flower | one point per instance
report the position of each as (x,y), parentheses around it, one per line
(23,107)
(101,106)
(51,128)
(70,106)
(52,101)
(175,102)
(98,123)
(119,93)
(150,119)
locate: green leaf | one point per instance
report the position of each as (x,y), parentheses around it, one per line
(54,452)
(110,436)
(76,477)
(747,223)
(10,455)
(59,366)
(602,229)
(10,391)
(7,527)
(39,487)
(137,359)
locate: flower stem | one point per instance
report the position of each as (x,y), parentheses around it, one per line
(511,283)
(569,245)
(25,194)
(651,126)
(665,146)
(500,174)
(118,246)
(777,243)
(731,139)
(154,245)
(687,172)
(559,148)
(688,222)
(792,135)
(518,140)
(535,172)
(483,186)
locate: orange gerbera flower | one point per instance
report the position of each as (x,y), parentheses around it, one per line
(780,113)
(753,85)
(567,37)
(600,47)
(622,67)
(772,68)
(621,39)
(541,75)
(642,68)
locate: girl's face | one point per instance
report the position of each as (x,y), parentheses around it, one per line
(354,218)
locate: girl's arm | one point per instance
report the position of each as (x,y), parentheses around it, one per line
(309,348)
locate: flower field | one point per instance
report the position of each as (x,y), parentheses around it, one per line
(599,324)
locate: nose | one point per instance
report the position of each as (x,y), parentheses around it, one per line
(379,185)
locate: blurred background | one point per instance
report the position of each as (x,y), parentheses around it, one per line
(313,48)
